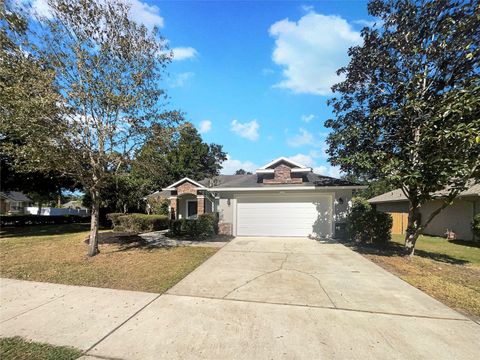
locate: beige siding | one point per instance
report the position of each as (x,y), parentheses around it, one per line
(457,217)
(226,211)
(341,206)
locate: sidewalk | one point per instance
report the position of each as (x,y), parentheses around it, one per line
(253,299)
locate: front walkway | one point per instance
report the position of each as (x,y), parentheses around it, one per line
(257,298)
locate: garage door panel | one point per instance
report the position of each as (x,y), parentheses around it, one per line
(284,216)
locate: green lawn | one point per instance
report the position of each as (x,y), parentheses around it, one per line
(456,251)
(57,254)
(18,349)
(447,270)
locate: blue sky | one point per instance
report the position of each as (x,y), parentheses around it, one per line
(254,76)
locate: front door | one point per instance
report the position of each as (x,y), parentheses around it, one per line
(191,209)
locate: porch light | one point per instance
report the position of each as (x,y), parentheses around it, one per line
(228,202)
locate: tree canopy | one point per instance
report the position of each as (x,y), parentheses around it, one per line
(408,110)
(172,154)
(107,72)
(242,172)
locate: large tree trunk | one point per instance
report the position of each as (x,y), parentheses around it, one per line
(94,223)
(412,233)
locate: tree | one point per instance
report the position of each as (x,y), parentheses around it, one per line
(28,93)
(408,109)
(172,154)
(242,172)
(107,71)
(374,187)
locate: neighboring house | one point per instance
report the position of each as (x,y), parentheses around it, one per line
(13,202)
(457,217)
(283,198)
(74,204)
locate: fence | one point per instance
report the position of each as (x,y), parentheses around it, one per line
(49,211)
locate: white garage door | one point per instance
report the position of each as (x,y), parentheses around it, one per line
(286,215)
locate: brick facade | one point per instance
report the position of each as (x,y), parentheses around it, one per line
(282,174)
(186,188)
(200,205)
(225,229)
(173,208)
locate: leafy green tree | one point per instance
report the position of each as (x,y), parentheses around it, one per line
(242,172)
(171,154)
(125,193)
(108,70)
(408,109)
(27,94)
(374,188)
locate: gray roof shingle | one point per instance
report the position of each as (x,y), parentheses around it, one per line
(15,196)
(252,181)
(397,195)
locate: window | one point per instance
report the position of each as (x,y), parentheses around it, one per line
(191,209)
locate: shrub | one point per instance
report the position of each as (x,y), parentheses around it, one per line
(113,218)
(141,222)
(158,206)
(205,225)
(366,225)
(476,225)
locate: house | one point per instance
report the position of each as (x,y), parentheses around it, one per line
(282,198)
(13,202)
(74,204)
(457,217)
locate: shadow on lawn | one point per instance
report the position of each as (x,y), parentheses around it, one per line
(465,243)
(43,230)
(395,249)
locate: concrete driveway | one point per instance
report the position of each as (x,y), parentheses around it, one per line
(265,298)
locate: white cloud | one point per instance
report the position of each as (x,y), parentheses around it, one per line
(141,12)
(182,79)
(248,130)
(146,14)
(303,159)
(311,51)
(40,8)
(308,118)
(230,165)
(301,139)
(310,161)
(307,8)
(332,171)
(205,126)
(267,71)
(183,53)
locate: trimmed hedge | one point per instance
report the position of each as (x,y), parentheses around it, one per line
(366,225)
(476,225)
(138,222)
(25,220)
(204,226)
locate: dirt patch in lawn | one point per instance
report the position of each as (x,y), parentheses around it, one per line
(59,257)
(449,279)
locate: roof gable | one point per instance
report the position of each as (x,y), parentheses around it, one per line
(185,179)
(284,160)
